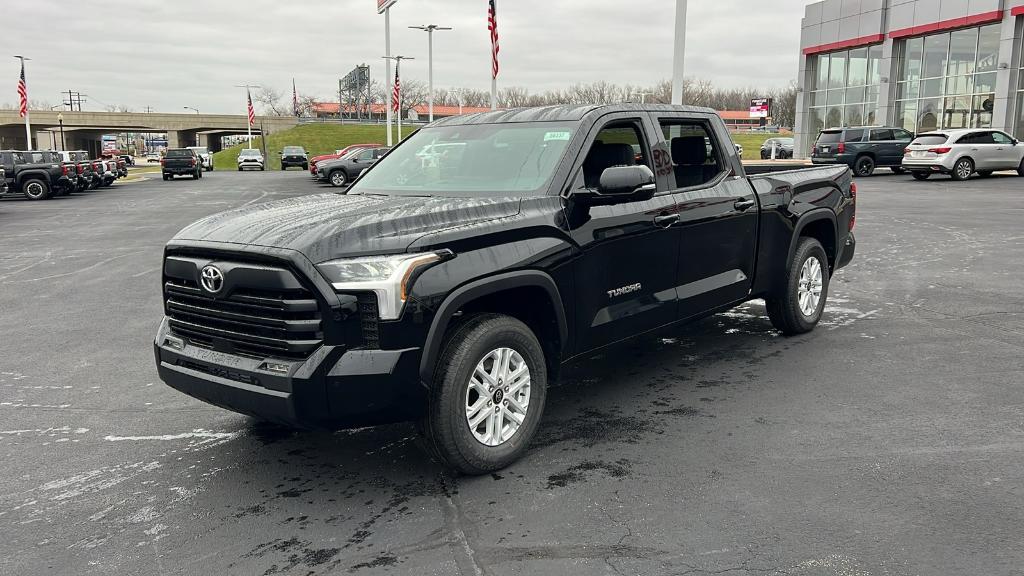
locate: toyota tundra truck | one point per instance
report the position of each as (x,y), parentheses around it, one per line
(452,290)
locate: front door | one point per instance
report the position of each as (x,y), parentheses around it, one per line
(625,276)
(718,216)
(1007,156)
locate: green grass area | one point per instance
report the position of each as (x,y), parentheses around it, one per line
(317,139)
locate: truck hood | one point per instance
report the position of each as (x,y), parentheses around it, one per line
(328,226)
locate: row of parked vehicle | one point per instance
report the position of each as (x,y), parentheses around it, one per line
(957,153)
(345,165)
(44,174)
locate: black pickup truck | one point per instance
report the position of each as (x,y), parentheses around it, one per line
(181,162)
(29,175)
(457,276)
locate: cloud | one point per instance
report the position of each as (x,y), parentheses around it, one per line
(191,53)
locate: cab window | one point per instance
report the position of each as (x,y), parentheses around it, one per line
(619,143)
(696,157)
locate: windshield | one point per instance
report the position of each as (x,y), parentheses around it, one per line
(471,160)
(929,140)
(293,150)
(199,150)
(250,152)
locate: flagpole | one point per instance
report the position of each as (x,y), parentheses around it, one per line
(387,56)
(679,53)
(28,122)
(248,102)
(398,63)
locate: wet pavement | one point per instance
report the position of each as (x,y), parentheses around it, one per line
(888,441)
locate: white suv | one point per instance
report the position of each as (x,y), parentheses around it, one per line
(205,158)
(250,158)
(961,153)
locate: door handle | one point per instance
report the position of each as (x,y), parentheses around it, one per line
(666,220)
(743,205)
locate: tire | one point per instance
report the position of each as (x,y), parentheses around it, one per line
(962,170)
(786,311)
(985,173)
(262,168)
(338,178)
(921,175)
(864,166)
(239,168)
(897,169)
(166,177)
(305,167)
(195,176)
(1020,169)
(35,189)
(448,434)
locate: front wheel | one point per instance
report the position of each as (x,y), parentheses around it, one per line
(487,396)
(962,170)
(799,307)
(338,179)
(864,166)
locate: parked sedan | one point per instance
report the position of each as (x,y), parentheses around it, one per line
(961,153)
(344,170)
(783,148)
(250,158)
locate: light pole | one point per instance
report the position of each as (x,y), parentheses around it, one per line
(196,110)
(429,28)
(60,120)
(679,53)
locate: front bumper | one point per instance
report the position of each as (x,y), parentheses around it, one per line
(334,388)
(250,164)
(294,162)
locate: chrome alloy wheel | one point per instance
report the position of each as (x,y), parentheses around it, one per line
(809,287)
(498,396)
(963,169)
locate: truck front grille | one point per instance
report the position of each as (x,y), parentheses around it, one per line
(280,322)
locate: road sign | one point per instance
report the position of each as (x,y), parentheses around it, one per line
(760,107)
(383,5)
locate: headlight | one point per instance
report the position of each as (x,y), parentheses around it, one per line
(387,276)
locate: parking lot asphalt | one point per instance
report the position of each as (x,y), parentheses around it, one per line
(888,441)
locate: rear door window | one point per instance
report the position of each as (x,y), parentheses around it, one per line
(882,135)
(695,153)
(854,135)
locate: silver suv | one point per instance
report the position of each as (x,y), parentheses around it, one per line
(961,153)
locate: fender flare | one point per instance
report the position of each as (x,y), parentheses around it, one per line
(807,218)
(483,287)
(20,177)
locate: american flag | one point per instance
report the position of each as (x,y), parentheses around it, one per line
(22,93)
(396,94)
(295,99)
(492,25)
(252,112)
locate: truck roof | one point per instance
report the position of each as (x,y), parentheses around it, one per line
(560,113)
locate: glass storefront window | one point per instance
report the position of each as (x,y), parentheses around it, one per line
(946,80)
(847,88)
(1020,115)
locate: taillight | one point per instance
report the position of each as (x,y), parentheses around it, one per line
(161,161)
(941,150)
(906,151)
(841,148)
(81,169)
(64,169)
(193,163)
(853,194)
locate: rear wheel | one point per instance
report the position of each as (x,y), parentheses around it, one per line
(920,175)
(167,177)
(864,166)
(35,189)
(487,396)
(963,169)
(799,307)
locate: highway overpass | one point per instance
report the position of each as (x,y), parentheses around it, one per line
(83,130)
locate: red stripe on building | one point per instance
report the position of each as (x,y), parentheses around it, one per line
(952,24)
(1018,11)
(856,42)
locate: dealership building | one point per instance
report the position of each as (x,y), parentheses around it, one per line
(915,64)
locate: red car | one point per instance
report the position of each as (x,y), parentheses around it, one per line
(337,154)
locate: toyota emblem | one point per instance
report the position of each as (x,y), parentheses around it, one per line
(212,279)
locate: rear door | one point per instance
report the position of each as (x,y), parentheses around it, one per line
(718,215)
(626,274)
(981,148)
(884,144)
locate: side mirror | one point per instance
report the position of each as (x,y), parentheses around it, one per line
(620,184)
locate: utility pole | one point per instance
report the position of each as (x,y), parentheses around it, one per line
(398,64)
(248,102)
(28,123)
(679,53)
(60,120)
(429,29)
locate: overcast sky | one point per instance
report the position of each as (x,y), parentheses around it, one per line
(176,53)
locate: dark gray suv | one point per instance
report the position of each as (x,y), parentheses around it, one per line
(862,148)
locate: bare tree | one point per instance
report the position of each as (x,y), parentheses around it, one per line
(270,101)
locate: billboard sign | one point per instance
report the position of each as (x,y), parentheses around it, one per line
(383,5)
(760,107)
